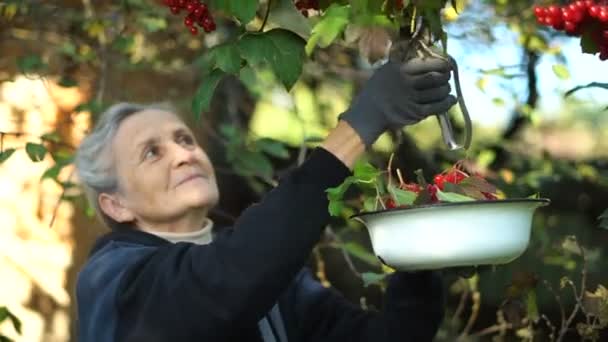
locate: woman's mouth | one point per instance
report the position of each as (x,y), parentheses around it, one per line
(190,178)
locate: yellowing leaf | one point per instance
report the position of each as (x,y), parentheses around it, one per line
(498,101)
(10,10)
(561,71)
(481,83)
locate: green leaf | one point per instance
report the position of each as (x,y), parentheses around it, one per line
(337,192)
(561,71)
(478,183)
(365,171)
(284,14)
(360,253)
(499,102)
(420,178)
(243,10)
(469,191)
(52,172)
(92,106)
(52,137)
(604,219)
(332,24)
(336,207)
(123,44)
(433,15)
(67,82)
(30,64)
(281,50)
(7,153)
(424,197)
(370,204)
(248,76)
(588,44)
(452,197)
(5,313)
(272,147)
(152,24)
(370,278)
(590,85)
(204,94)
(69,49)
(227,57)
(532,306)
(36,152)
(402,197)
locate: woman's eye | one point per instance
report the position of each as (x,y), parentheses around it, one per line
(151,153)
(186,139)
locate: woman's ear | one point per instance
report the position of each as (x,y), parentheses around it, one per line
(112,206)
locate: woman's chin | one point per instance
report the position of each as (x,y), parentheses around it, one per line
(202,200)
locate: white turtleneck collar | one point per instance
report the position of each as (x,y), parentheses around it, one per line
(202,236)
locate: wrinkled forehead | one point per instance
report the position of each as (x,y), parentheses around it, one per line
(146,125)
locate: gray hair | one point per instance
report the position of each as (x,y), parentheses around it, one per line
(93,162)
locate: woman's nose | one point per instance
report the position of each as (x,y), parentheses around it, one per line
(183,154)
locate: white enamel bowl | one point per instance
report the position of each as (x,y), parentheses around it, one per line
(445,235)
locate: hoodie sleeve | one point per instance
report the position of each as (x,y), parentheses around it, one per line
(186,292)
(413,310)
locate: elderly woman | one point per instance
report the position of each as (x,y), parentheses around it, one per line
(164,273)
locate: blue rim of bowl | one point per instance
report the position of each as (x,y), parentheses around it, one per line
(544,201)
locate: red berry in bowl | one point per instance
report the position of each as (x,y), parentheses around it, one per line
(439,180)
(432,190)
(455,176)
(413,187)
(390,203)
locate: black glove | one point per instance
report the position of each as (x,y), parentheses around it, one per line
(400,95)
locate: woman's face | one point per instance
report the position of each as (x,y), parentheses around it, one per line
(163,173)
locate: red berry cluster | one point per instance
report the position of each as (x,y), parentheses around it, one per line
(198,13)
(577,17)
(304,5)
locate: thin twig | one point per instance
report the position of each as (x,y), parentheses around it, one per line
(579,298)
(266,16)
(389,170)
(558,300)
(492,329)
(550,325)
(56,208)
(401,182)
(461,303)
(476,297)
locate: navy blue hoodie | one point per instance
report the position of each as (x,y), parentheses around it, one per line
(139,287)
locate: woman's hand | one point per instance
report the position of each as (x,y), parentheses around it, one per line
(400,95)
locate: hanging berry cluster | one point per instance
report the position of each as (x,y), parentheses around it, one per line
(304,5)
(578,17)
(197,13)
